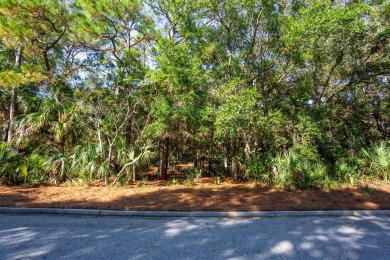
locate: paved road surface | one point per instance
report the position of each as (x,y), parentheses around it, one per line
(68,237)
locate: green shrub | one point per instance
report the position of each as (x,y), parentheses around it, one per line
(379,155)
(348,169)
(314,175)
(86,163)
(9,161)
(295,170)
(57,163)
(259,170)
(284,166)
(175,181)
(35,169)
(191,175)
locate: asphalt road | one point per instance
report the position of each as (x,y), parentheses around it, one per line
(69,237)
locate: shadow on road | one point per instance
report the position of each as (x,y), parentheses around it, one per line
(56,237)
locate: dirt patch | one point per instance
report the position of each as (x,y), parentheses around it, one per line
(202,196)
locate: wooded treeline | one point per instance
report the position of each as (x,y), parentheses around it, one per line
(293,93)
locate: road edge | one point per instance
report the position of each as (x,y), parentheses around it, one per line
(193,214)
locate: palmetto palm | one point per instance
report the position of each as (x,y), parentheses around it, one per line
(133,156)
(54,118)
(8,161)
(86,162)
(380,159)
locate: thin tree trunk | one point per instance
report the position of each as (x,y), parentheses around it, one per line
(201,165)
(100,140)
(133,173)
(225,161)
(164,157)
(107,174)
(5,133)
(247,149)
(14,96)
(235,168)
(225,156)
(46,59)
(234,160)
(196,161)
(209,167)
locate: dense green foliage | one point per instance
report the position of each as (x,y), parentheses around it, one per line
(291,93)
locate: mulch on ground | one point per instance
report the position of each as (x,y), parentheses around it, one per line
(203,196)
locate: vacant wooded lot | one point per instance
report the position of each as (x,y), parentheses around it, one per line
(290,97)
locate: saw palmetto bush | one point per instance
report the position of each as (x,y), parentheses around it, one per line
(58,164)
(35,168)
(349,169)
(9,164)
(294,170)
(284,166)
(379,160)
(130,158)
(86,163)
(314,175)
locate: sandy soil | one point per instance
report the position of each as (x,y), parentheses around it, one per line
(204,195)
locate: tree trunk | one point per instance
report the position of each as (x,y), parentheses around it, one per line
(234,159)
(5,133)
(133,173)
(201,166)
(164,157)
(196,161)
(225,156)
(225,161)
(234,168)
(14,96)
(209,167)
(247,148)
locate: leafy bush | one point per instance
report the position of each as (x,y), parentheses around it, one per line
(284,166)
(293,170)
(57,163)
(314,175)
(175,181)
(259,170)
(9,161)
(379,155)
(191,175)
(86,163)
(35,169)
(348,169)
